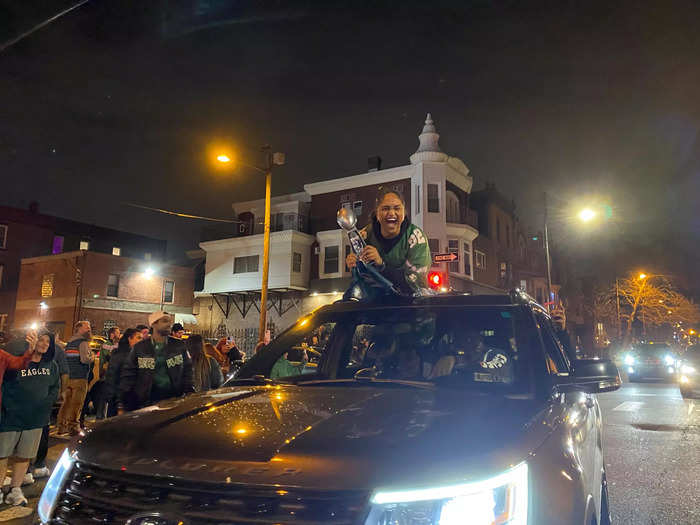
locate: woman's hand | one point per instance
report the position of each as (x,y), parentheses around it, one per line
(32,339)
(351,260)
(370,254)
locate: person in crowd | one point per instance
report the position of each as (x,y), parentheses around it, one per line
(131,338)
(291,363)
(8,361)
(145,331)
(157,368)
(228,353)
(97,393)
(80,359)
(397,248)
(206,372)
(178,331)
(28,395)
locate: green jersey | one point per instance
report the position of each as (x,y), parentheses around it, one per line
(406,257)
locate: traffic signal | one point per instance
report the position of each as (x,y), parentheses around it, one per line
(436,280)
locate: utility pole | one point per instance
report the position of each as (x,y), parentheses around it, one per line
(266,245)
(546,250)
(617,298)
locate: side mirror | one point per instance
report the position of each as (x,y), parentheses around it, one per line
(592,376)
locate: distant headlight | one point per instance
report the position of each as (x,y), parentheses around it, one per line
(687,369)
(629,359)
(669,360)
(47,502)
(501,499)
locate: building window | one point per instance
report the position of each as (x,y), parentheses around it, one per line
(3,236)
(147,256)
(504,269)
(433,198)
(116,250)
(523,285)
(113,285)
(466,250)
(480,259)
(417,199)
(47,285)
(168,291)
(452,207)
(296,262)
(453,247)
(247,264)
(57,246)
(330,259)
(498,229)
(357,208)
(84,245)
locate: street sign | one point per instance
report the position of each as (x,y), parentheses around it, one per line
(445,257)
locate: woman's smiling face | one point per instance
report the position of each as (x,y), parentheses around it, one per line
(390,214)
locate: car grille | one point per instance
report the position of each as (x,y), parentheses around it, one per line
(92,495)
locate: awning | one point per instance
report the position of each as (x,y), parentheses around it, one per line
(185,319)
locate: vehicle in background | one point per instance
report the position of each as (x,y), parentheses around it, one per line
(689,372)
(429,410)
(656,361)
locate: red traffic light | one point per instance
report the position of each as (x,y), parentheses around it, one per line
(435,280)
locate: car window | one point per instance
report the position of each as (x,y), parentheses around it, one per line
(556,358)
(304,353)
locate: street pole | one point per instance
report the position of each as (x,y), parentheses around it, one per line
(266,246)
(546,250)
(617,297)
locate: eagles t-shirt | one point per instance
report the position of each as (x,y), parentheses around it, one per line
(162,386)
(28,395)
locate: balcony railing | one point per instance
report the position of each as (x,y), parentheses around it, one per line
(283,221)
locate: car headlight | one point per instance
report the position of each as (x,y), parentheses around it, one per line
(687,369)
(47,502)
(669,360)
(501,499)
(629,359)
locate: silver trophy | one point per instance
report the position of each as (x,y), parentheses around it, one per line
(347,220)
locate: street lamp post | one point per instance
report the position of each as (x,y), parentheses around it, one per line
(546,250)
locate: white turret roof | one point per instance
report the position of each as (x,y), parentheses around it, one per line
(428,149)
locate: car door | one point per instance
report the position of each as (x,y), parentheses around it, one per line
(582,416)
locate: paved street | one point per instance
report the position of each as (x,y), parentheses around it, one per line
(652,446)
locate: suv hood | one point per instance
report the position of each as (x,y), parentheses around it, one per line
(304,436)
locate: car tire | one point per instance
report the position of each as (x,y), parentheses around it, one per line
(605,518)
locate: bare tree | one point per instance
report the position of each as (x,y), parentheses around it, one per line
(649,298)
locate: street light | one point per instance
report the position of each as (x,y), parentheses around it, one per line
(586,215)
(642,276)
(271,159)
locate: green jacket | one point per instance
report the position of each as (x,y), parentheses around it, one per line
(407,261)
(28,395)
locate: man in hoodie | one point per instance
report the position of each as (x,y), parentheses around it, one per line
(157,368)
(28,395)
(79,358)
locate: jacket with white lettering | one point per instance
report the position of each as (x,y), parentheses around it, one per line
(137,372)
(28,395)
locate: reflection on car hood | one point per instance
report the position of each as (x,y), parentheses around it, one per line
(307,436)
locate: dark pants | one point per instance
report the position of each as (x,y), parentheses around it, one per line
(97,396)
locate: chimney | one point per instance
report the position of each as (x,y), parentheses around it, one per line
(374,163)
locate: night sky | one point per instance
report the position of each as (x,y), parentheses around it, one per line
(115,103)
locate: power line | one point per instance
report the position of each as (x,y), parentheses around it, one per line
(183,215)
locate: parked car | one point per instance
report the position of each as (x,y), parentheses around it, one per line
(419,410)
(650,361)
(689,372)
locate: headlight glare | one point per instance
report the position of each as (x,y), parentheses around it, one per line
(669,360)
(629,359)
(687,369)
(501,499)
(47,502)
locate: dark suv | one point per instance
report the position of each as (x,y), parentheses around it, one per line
(420,410)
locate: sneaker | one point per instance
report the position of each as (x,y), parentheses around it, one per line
(28,480)
(15,497)
(41,472)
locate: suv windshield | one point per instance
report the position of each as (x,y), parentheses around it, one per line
(463,347)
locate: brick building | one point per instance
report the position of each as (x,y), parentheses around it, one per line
(105,289)
(28,233)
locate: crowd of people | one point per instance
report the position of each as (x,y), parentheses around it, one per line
(133,369)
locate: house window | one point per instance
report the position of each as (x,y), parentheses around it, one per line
(452,207)
(147,256)
(3,236)
(357,208)
(417,199)
(113,285)
(247,264)
(296,262)
(480,259)
(168,291)
(330,259)
(433,198)
(84,245)
(466,250)
(504,269)
(57,245)
(116,250)
(47,285)
(453,247)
